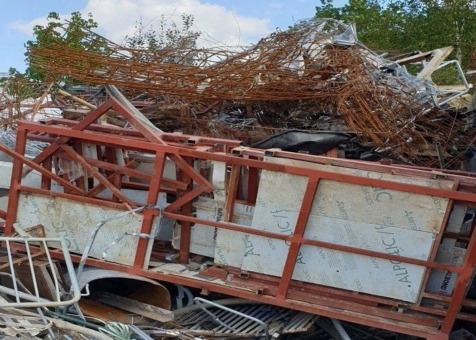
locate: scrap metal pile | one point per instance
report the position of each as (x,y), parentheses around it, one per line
(178,232)
(383,246)
(315,76)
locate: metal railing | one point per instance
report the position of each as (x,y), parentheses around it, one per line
(31,298)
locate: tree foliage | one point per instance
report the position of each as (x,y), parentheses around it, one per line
(169,35)
(72,35)
(18,87)
(410,25)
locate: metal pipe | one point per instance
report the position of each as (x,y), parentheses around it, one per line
(53,272)
(462,78)
(32,270)
(12,270)
(24,296)
(222,302)
(340,329)
(45,321)
(72,319)
(140,332)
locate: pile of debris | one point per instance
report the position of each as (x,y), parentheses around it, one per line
(133,216)
(315,76)
(207,216)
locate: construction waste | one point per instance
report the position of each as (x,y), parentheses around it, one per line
(301,188)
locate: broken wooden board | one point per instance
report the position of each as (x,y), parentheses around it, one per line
(75,220)
(136,307)
(41,277)
(365,217)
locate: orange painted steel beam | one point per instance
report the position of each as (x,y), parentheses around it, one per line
(91,170)
(297,237)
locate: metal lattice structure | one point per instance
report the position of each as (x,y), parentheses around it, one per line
(312,74)
(425,313)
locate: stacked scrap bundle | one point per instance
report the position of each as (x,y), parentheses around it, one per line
(314,76)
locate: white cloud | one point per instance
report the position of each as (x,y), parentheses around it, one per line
(116,19)
(27,27)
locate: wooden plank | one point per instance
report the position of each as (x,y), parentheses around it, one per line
(136,307)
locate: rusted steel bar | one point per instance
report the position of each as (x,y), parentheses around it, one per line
(188,197)
(147,131)
(396,169)
(166,136)
(438,239)
(129,171)
(77,198)
(460,287)
(184,203)
(80,181)
(100,187)
(96,127)
(88,120)
(253,174)
(190,171)
(334,246)
(17,171)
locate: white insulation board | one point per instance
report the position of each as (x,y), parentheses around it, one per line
(377,219)
(75,220)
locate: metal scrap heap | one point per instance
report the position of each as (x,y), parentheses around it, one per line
(315,76)
(166,224)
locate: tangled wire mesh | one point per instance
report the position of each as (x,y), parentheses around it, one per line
(315,76)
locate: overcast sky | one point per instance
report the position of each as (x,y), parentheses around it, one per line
(228,22)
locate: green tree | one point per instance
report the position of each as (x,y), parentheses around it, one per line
(446,22)
(410,25)
(169,36)
(72,33)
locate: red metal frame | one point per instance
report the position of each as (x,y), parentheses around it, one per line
(66,138)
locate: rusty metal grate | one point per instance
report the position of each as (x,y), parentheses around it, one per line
(244,320)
